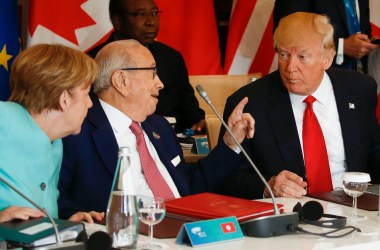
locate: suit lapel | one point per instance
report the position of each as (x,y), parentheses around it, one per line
(347,105)
(155,138)
(285,130)
(103,136)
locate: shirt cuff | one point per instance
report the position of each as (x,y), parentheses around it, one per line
(340,56)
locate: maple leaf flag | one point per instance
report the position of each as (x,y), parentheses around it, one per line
(249,43)
(189,26)
(79,24)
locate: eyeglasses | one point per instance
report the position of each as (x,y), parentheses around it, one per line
(143,68)
(144,14)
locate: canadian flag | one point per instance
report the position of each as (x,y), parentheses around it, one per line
(190,27)
(79,24)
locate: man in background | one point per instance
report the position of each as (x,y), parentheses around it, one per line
(139,20)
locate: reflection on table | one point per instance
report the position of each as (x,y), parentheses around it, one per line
(369,238)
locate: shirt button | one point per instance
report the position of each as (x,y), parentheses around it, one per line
(43,186)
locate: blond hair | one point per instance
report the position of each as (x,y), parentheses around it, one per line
(297,24)
(41,73)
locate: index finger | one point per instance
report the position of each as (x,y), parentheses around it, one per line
(238,110)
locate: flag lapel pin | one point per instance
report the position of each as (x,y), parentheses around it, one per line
(155,135)
(351,105)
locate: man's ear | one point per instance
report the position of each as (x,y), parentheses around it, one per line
(120,82)
(328,59)
(64,100)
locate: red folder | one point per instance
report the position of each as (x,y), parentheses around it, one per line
(211,206)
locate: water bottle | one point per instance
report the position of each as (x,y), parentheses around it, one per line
(122,219)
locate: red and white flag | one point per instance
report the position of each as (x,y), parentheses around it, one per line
(79,24)
(374,6)
(374,58)
(250,43)
(190,27)
(228,227)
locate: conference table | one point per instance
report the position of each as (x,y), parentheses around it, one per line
(368,239)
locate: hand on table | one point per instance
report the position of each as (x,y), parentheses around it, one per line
(286,184)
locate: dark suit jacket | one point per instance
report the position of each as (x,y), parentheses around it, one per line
(276,145)
(335,10)
(90,159)
(177,98)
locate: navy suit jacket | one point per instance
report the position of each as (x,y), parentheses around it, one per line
(276,145)
(90,159)
(335,10)
(177,98)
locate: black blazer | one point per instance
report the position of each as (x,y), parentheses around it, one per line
(177,98)
(334,9)
(276,145)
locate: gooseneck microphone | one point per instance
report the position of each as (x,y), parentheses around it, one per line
(59,244)
(266,226)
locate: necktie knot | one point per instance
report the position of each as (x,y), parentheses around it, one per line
(310,100)
(136,129)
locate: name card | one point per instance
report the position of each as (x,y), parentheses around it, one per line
(207,232)
(201,146)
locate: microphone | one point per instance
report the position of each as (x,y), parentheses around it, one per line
(266,226)
(59,244)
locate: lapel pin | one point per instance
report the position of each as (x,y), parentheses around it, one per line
(155,135)
(351,105)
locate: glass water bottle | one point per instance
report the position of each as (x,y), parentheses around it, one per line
(122,219)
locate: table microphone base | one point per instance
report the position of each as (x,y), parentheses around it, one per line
(269,226)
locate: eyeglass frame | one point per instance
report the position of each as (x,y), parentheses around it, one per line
(143,68)
(145,14)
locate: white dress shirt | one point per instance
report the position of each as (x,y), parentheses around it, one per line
(125,138)
(327,113)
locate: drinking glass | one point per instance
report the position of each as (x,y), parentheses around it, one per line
(354,184)
(151,212)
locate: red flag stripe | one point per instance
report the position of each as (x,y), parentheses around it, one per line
(265,53)
(238,22)
(190,27)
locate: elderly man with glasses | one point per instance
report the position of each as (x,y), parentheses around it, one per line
(139,20)
(123,107)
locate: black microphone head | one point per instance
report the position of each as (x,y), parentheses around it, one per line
(82,237)
(312,210)
(99,241)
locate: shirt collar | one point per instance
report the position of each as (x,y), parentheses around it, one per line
(118,120)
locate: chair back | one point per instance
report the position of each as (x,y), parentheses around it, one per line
(213,125)
(219,88)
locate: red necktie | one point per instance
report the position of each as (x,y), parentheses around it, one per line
(315,153)
(153,176)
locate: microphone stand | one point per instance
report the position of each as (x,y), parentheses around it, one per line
(59,244)
(266,226)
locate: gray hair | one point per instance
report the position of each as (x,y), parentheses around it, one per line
(114,56)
